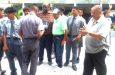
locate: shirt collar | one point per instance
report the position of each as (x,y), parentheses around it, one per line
(99,20)
(32,13)
(76,16)
(58,18)
(13,20)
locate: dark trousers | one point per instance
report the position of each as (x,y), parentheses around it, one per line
(45,42)
(58,49)
(15,50)
(1,51)
(30,55)
(80,43)
(96,61)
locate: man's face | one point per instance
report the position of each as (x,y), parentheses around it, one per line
(55,15)
(107,13)
(1,14)
(26,12)
(10,15)
(95,14)
(46,8)
(75,12)
(80,12)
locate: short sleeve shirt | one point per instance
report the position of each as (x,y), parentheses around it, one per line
(77,24)
(2,20)
(59,26)
(30,25)
(101,27)
(1,29)
(7,27)
(47,20)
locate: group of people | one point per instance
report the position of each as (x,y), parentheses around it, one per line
(27,38)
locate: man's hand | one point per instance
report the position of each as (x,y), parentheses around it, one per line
(63,42)
(78,37)
(39,34)
(5,48)
(83,31)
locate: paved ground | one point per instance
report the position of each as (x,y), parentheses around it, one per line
(45,69)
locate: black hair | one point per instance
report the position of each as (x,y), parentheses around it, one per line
(62,9)
(10,10)
(26,9)
(75,8)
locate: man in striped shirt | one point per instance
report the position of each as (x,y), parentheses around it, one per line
(47,39)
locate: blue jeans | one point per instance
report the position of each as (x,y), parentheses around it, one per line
(45,42)
(15,50)
(71,45)
(30,55)
(58,49)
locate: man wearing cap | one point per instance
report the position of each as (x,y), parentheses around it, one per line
(31,29)
(47,39)
(11,39)
(59,36)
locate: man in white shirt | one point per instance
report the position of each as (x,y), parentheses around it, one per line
(96,44)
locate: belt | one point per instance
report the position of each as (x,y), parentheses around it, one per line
(72,35)
(57,35)
(30,38)
(15,38)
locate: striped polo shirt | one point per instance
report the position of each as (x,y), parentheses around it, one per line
(47,21)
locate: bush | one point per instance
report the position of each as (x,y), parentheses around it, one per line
(113,27)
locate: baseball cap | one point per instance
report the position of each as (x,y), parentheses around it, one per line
(56,10)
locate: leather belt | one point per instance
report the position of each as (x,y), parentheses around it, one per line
(72,35)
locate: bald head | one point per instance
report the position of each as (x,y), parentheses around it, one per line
(46,4)
(46,7)
(96,11)
(97,8)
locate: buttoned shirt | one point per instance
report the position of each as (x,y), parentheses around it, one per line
(102,27)
(64,17)
(77,24)
(2,20)
(1,27)
(7,28)
(30,25)
(83,20)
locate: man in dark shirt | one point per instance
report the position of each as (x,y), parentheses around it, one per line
(46,40)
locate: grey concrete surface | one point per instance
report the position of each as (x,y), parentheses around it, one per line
(45,69)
